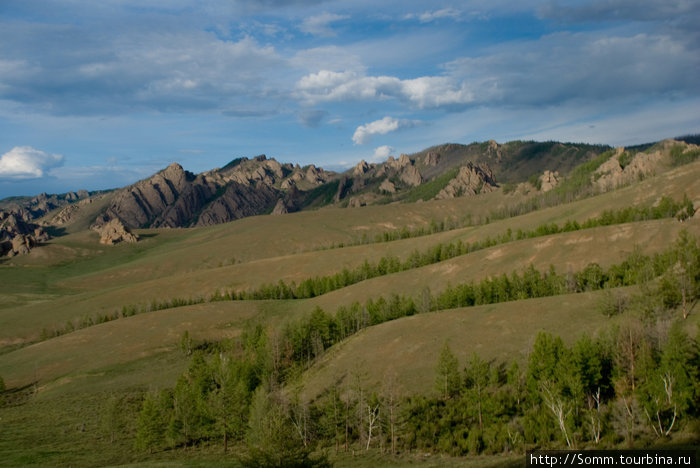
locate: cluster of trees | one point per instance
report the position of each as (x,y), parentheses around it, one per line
(634,382)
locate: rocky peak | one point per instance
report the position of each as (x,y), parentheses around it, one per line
(361,168)
(404,160)
(140,204)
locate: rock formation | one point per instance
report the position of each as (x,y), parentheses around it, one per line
(360,169)
(549,180)
(432,159)
(18,237)
(470,180)
(280,208)
(245,187)
(611,174)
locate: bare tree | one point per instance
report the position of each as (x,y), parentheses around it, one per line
(373,407)
(594,415)
(557,405)
(660,403)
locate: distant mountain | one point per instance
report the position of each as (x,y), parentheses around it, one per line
(175,197)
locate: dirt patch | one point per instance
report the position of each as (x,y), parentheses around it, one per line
(578,240)
(498,253)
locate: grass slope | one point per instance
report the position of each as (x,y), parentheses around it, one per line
(74,277)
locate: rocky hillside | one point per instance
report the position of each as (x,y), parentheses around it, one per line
(245,187)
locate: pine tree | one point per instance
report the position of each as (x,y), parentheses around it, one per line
(448,378)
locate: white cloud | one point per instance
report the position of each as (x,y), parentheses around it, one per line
(25,162)
(423,92)
(319,25)
(382,152)
(364,133)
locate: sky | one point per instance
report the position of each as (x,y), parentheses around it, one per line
(97,95)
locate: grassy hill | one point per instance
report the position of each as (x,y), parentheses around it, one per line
(68,286)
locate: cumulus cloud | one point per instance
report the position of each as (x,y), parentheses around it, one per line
(319,25)
(381,153)
(25,162)
(423,92)
(364,133)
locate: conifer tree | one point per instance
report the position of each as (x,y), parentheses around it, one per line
(448,378)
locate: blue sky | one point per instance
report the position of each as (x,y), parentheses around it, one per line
(100,94)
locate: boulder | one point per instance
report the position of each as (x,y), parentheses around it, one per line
(549,180)
(113,231)
(387,186)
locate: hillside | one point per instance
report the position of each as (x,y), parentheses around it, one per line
(241,315)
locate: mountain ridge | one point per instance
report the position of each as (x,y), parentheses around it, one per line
(175,198)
